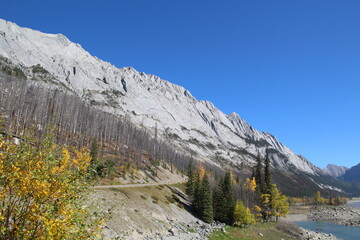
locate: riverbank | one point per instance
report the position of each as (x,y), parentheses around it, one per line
(343,215)
(307,234)
(300,214)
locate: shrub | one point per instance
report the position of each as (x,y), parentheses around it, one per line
(155,198)
(180,205)
(170,199)
(176,198)
(39,69)
(41,192)
(242,215)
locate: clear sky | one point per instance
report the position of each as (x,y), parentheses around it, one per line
(291,68)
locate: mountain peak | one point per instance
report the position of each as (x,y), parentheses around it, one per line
(161,107)
(335,171)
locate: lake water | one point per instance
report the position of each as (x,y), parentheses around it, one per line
(343,232)
(354,204)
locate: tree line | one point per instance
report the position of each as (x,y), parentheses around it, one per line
(27,107)
(235,202)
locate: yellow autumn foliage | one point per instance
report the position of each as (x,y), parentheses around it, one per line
(202,172)
(41,192)
(250,184)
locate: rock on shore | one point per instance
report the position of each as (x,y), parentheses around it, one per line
(311,235)
(342,215)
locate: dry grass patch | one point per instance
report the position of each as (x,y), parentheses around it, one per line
(270,231)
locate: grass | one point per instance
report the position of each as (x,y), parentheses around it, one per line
(299,209)
(269,231)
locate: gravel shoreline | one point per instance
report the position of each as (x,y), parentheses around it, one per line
(343,215)
(307,234)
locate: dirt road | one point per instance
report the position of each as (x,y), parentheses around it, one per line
(133,185)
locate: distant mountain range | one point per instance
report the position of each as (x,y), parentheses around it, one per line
(346,174)
(335,171)
(166,110)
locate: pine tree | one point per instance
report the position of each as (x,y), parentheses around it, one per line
(206,203)
(218,201)
(253,175)
(94,149)
(228,199)
(259,175)
(267,175)
(190,184)
(196,203)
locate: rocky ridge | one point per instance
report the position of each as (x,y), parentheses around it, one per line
(335,171)
(193,126)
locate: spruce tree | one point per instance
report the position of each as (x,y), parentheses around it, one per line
(218,201)
(190,184)
(259,175)
(228,200)
(196,203)
(267,175)
(253,175)
(206,203)
(94,150)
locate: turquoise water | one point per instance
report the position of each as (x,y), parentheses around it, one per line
(343,232)
(354,204)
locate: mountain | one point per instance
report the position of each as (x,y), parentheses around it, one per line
(352,175)
(335,171)
(166,110)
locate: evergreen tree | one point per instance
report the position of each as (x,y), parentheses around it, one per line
(190,184)
(94,149)
(218,201)
(267,175)
(253,175)
(196,203)
(206,203)
(228,200)
(259,175)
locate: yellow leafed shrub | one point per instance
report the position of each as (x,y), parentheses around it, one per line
(41,192)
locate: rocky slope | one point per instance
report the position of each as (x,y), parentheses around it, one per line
(165,109)
(352,175)
(148,213)
(335,171)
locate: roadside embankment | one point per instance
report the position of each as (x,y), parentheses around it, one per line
(148,212)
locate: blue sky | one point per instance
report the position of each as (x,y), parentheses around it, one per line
(291,68)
